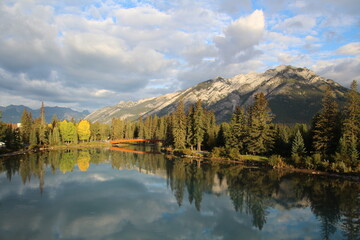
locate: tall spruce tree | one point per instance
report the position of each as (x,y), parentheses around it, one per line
(199,127)
(298,146)
(42,114)
(25,128)
(54,120)
(238,128)
(43,134)
(33,138)
(210,129)
(326,125)
(190,128)
(260,137)
(351,118)
(179,126)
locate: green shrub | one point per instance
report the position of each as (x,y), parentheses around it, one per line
(296,159)
(234,153)
(276,161)
(340,167)
(187,152)
(317,159)
(309,162)
(218,152)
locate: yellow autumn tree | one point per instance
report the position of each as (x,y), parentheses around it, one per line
(83,161)
(83,130)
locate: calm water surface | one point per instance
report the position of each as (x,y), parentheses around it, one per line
(109,194)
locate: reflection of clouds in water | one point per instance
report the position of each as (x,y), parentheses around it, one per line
(292,224)
(120,207)
(105,203)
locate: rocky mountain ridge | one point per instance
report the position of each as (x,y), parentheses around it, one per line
(294,95)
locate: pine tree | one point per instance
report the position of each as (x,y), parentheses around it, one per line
(260,136)
(179,126)
(238,129)
(117,128)
(140,129)
(222,134)
(25,128)
(54,120)
(211,129)
(199,125)
(353,152)
(33,138)
(298,146)
(190,128)
(351,119)
(56,136)
(326,125)
(43,134)
(42,114)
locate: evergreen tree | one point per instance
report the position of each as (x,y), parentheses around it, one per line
(95,131)
(33,138)
(54,120)
(12,138)
(56,136)
(353,152)
(161,129)
(222,134)
(104,131)
(190,128)
(326,125)
(139,130)
(117,128)
(282,144)
(43,134)
(211,129)
(179,126)
(25,128)
(42,114)
(199,125)
(351,119)
(298,146)
(260,136)
(237,131)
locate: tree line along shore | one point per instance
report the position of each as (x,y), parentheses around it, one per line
(330,143)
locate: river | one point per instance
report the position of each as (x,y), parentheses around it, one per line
(116,194)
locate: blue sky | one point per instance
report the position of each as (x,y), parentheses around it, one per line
(88,54)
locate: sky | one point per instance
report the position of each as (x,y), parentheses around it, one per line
(89,54)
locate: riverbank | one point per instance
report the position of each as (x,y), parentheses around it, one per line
(67,146)
(274,162)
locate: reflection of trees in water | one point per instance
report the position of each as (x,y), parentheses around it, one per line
(335,202)
(350,211)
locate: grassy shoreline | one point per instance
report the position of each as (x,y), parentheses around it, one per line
(246,160)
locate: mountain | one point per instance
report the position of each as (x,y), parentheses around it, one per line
(294,95)
(12,113)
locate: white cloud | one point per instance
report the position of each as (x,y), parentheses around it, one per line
(135,50)
(350,49)
(300,24)
(343,70)
(241,36)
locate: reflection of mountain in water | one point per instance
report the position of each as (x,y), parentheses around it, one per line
(334,202)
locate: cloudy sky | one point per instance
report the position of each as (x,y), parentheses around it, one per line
(88,54)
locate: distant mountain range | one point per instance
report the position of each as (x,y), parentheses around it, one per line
(12,113)
(294,95)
